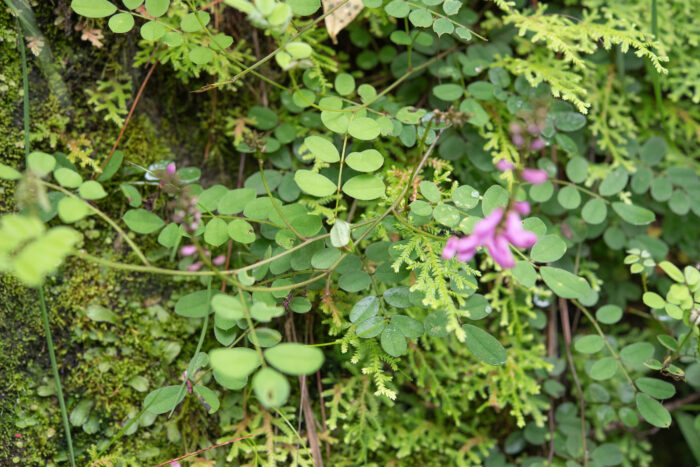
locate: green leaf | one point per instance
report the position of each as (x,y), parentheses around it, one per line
(484,346)
(371,327)
(672,271)
(241,231)
(142,221)
(121,23)
(594,211)
(340,234)
(448,92)
(653,300)
(80,412)
(652,411)
(603,369)
(295,359)
(157,8)
(236,363)
(132,4)
(314,183)
(164,399)
(201,55)
(446,215)
(565,284)
(525,273)
(322,148)
(67,177)
(344,84)
(191,23)
(451,7)
(227,309)
(589,344)
(364,187)
(465,197)
(632,214)
(653,150)
(496,196)
(393,341)
(639,352)
(577,169)
(364,309)
(132,194)
(93,8)
(266,337)
(304,7)
(72,210)
(408,326)
(656,388)
(41,163)
(397,9)
(398,297)
(216,232)
(609,314)
(91,190)
(482,90)
(363,128)
(368,160)
(354,281)
(548,249)
(152,30)
(271,388)
(8,173)
(420,17)
(443,26)
(614,182)
(101,314)
(569,121)
(608,455)
(569,197)
(208,396)
(235,201)
(430,191)
(139,383)
(193,305)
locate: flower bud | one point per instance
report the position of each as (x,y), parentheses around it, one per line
(518,141)
(537,144)
(533,129)
(188,250)
(170,169)
(534,176)
(504,165)
(515,128)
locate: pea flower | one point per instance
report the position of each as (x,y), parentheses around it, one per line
(534,176)
(495,232)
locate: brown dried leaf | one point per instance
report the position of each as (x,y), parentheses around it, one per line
(336,21)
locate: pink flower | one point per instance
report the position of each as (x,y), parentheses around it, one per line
(504,165)
(175,464)
(170,169)
(516,234)
(188,250)
(533,129)
(450,249)
(515,128)
(534,176)
(496,241)
(195,266)
(219,260)
(537,144)
(518,140)
(500,251)
(523,207)
(485,227)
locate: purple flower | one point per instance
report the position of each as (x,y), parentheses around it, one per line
(523,207)
(533,129)
(188,250)
(496,239)
(175,464)
(537,144)
(170,169)
(515,128)
(486,227)
(500,251)
(534,176)
(504,165)
(518,140)
(219,260)
(195,266)
(516,234)
(450,249)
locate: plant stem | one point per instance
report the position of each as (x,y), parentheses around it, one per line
(56,377)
